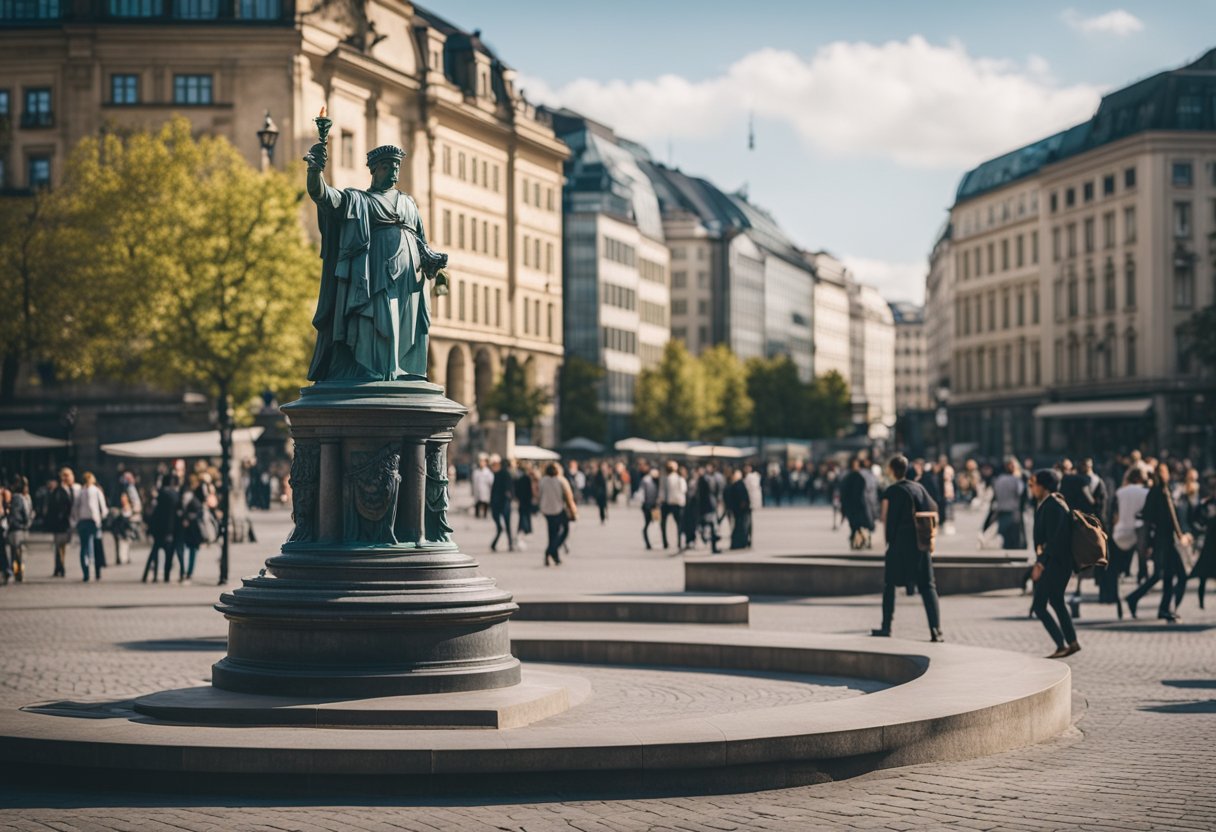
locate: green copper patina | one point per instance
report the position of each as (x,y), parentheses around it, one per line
(373,314)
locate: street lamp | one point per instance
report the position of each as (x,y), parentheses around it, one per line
(267,136)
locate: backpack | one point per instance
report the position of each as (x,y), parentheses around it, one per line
(1088,541)
(924,522)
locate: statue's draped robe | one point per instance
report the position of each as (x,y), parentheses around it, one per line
(373,314)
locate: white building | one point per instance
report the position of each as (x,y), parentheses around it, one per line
(872,342)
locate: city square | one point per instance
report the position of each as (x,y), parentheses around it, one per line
(806,421)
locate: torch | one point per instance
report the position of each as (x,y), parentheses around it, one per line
(323,126)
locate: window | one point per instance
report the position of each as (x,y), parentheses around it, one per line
(991,258)
(1108,286)
(1184,286)
(1108,229)
(29,9)
(460,166)
(5,104)
(1072,239)
(3,175)
(1091,291)
(1070,197)
(1129,178)
(1087,191)
(460,231)
(347,149)
(1055,245)
(1182,219)
(1182,174)
(1108,184)
(196,9)
(460,299)
(135,8)
(1107,348)
(485,174)
(447,160)
(192,89)
(1021,307)
(1054,200)
(1005,309)
(1073,299)
(496,241)
(1089,236)
(1130,340)
(1129,282)
(1021,251)
(447,227)
(1005,255)
(496,179)
(474,174)
(39,173)
(679,307)
(259,9)
(473,233)
(679,280)
(124,89)
(1129,224)
(474,293)
(37,111)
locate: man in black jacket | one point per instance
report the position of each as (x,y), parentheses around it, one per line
(1053,563)
(162,526)
(1165,533)
(905,563)
(501,491)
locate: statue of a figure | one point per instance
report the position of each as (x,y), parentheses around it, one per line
(373,314)
(436,518)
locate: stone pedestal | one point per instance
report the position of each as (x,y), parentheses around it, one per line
(369,596)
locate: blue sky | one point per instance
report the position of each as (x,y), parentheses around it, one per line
(866,113)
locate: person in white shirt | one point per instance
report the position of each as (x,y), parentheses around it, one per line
(673,495)
(88,509)
(1129,533)
(482,481)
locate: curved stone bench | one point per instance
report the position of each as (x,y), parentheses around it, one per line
(656,608)
(948,702)
(851,574)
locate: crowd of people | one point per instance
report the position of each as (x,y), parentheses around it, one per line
(176,517)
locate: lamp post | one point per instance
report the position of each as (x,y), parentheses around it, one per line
(267,136)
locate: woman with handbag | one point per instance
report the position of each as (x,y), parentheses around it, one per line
(1166,539)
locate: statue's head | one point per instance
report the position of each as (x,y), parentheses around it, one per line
(385,164)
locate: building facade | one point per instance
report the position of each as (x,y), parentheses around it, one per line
(484,166)
(939,323)
(872,359)
(617,310)
(831,320)
(1077,261)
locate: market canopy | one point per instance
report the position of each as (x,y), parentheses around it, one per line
(181,445)
(637,445)
(23,440)
(582,444)
(1095,409)
(535,453)
(720,452)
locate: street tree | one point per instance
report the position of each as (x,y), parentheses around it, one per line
(777,395)
(581,414)
(666,397)
(725,400)
(516,397)
(828,405)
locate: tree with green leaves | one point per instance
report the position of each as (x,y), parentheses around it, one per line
(725,398)
(581,414)
(516,397)
(666,397)
(828,404)
(194,267)
(776,393)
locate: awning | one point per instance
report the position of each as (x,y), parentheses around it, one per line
(181,445)
(23,440)
(582,444)
(1095,409)
(535,453)
(720,452)
(636,445)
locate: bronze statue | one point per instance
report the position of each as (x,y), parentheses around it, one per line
(373,313)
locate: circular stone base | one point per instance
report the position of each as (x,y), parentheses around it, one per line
(539,696)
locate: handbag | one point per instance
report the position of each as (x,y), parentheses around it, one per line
(1188,555)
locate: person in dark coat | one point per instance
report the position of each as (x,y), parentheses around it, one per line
(905,564)
(707,509)
(1161,520)
(526,503)
(1053,563)
(738,504)
(501,492)
(599,490)
(1205,520)
(59,517)
(855,506)
(162,525)
(188,537)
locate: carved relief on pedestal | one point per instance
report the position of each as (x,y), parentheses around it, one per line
(437,528)
(371,485)
(305,487)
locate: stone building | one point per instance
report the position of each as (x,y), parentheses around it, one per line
(617,311)
(939,324)
(830,324)
(872,360)
(483,164)
(1077,260)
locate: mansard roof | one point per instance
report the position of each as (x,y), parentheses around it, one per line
(1177,99)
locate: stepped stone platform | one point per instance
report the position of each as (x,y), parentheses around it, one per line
(944,702)
(658,608)
(854,573)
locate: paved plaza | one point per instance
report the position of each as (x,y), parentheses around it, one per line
(1141,754)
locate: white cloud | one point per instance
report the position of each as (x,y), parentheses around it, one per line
(1119,22)
(894,280)
(917,103)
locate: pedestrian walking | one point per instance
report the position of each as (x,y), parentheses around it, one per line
(59,518)
(856,507)
(690,520)
(707,509)
(188,534)
(1205,519)
(557,505)
(162,525)
(1165,537)
(908,560)
(599,490)
(673,494)
(525,501)
(648,488)
(755,498)
(20,521)
(1008,498)
(482,483)
(502,489)
(1053,565)
(88,510)
(737,502)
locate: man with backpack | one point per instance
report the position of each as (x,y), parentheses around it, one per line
(910,515)
(1053,562)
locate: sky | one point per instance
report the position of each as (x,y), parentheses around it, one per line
(866,114)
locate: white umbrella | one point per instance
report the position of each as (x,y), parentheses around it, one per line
(181,445)
(637,445)
(582,443)
(720,452)
(535,453)
(23,440)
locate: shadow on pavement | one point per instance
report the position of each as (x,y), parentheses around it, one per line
(206,644)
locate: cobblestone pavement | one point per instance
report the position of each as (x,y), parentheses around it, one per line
(1142,754)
